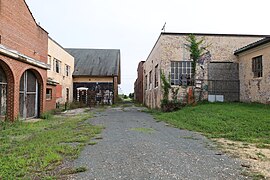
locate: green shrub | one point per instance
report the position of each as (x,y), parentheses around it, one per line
(169,106)
(76,105)
(47,115)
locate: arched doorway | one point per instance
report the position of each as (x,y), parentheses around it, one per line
(3,93)
(29,96)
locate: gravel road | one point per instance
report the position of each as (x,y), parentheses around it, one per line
(135,146)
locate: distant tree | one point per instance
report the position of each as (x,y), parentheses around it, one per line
(131,95)
(125,97)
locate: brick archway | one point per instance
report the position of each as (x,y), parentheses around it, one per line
(30,94)
(10,90)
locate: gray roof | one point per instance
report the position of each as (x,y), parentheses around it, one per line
(96,62)
(252,45)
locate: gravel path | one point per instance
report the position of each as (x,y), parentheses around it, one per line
(135,146)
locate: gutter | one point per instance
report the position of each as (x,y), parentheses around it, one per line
(21,57)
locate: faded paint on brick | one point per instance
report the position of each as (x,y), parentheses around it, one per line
(255,89)
(171,47)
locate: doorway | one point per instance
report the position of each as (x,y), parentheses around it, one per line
(28,95)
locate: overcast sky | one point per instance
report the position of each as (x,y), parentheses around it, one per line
(134,26)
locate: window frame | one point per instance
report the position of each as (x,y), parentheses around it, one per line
(49,61)
(257,66)
(146,82)
(156,76)
(57,63)
(180,69)
(150,79)
(48,94)
(67,70)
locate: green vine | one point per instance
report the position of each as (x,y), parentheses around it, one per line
(166,85)
(196,51)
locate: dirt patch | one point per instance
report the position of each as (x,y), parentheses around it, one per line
(256,159)
(75,111)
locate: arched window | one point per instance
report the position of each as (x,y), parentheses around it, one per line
(3,93)
(28,95)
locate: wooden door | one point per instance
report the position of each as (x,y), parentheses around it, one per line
(28,95)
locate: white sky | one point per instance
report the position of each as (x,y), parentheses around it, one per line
(134,26)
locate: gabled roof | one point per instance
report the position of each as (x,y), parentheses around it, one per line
(96,62)
(34,17)
(252,45)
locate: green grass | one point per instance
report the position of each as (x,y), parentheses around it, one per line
(30,150)
(234,121)
(143,130)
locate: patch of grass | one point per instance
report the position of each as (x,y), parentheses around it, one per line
(188,137)
(99,137)
(31,150)
(253,175)
(47,115)
(263,146)
(69,171)
(76,105)
(101,109)
(92,143)
(143,130)
(138,105)
(234,121)
(261,155)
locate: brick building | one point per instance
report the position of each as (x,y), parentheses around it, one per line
(217,72)
(60,74)
(23,62)
(138,85)
(254,71)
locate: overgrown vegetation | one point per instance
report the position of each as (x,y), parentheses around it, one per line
(234,121)
(196,51)
(75,105)
(166,104)
(34,150)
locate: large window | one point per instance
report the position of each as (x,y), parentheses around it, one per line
(257,67)
(67,70)
(145,85)
(150,79)
(156,76)
(181,73)
(57,65)
(50,61)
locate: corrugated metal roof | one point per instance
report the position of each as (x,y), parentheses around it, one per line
(252,45)
(96,62)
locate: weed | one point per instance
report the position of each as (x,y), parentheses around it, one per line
(143,130)
(69,171)
(263,146)
(92,143)
(261,155)
(188,137)
(33,150)
(47,115)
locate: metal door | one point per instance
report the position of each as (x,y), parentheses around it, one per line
(28,95)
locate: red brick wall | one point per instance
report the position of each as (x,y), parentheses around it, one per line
(138,85)
(51,104)
(19,32)
(58,91)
